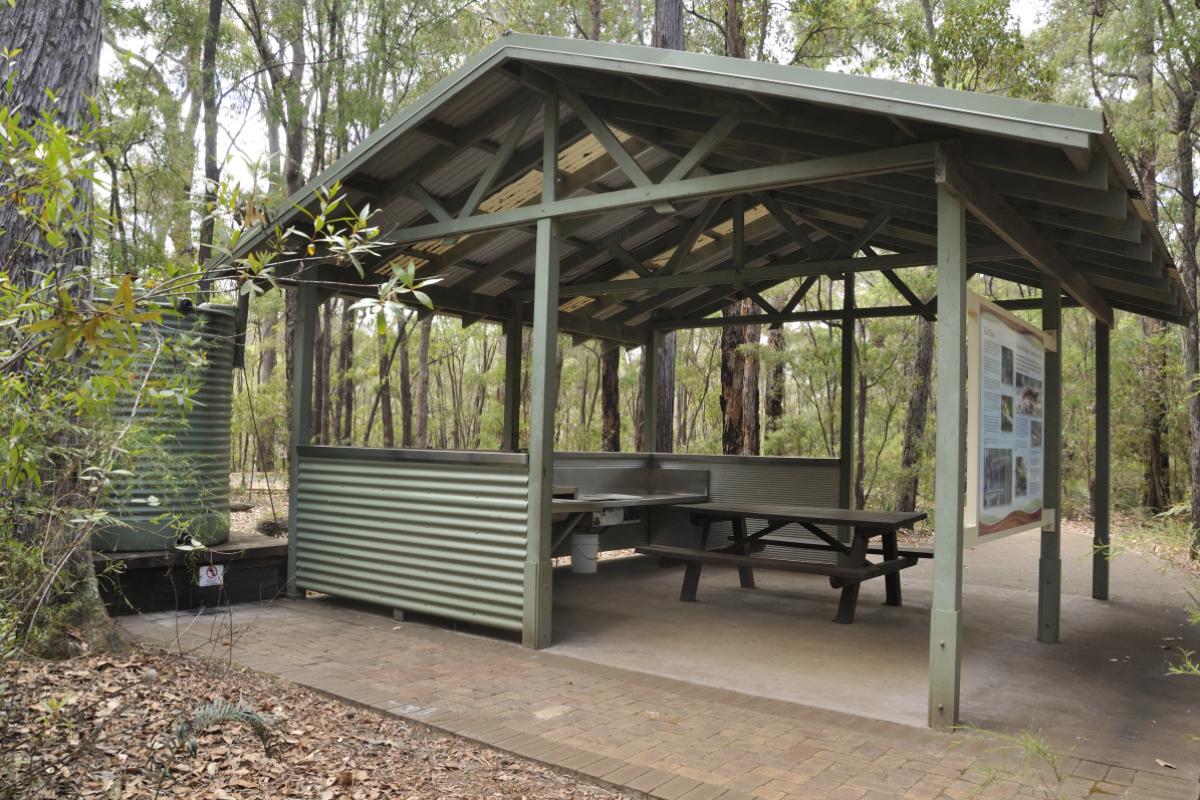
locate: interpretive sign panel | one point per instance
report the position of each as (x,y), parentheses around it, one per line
(1006,365)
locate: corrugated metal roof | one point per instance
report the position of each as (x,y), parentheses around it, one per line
(1057,166)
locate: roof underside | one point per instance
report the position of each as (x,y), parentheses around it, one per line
(1057,167)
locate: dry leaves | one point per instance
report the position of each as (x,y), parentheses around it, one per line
(96,727)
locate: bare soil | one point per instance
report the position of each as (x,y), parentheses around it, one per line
(105,727)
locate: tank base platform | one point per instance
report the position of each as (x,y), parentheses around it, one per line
(248,568)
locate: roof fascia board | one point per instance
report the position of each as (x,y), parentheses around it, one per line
(407,119)
(1047,123)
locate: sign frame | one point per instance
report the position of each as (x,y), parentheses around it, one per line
(975,305)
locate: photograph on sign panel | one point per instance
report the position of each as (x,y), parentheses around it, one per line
(997,477)
(1006,413)
(1030,391)
(1022,482)
(1035,433)
(1006,366)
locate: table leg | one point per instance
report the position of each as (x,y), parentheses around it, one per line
(849,600)
(691,581)
(891,551)
(705,525)
(742,546)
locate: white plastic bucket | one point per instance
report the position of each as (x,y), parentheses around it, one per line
(584,547)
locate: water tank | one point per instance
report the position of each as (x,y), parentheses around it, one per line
(180,456)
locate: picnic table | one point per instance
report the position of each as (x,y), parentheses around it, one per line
(745,551)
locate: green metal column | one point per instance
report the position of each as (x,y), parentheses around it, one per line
(945,624)
(650,391)
(302,400)
(846,444)
(1103,477)
(1050,565)
(513,330)
(543,399)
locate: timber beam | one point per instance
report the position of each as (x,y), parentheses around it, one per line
(817,170)
(778,271)
(994,211)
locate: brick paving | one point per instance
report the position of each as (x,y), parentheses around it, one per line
(663,738)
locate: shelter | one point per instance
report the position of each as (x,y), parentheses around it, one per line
(617,192)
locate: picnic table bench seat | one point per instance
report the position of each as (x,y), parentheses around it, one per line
(746,550)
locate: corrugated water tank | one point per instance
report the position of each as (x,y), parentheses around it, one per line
(180,481)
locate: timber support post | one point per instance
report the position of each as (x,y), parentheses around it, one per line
(945,623)
(1101,492)
(1050,563)
(536,628)
(307,303)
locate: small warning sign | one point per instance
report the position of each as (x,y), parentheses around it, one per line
(211,575)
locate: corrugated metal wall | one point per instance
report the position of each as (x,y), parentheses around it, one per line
(751,479)
(433,532)
(444,533)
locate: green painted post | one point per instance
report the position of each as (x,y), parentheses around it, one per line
(1103,477)
(945,623)
(302,400)
(650,392)
(1050,565)
(543,397)
(513,331)
(846,443)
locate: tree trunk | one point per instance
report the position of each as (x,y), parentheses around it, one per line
(421,441)
(610,381)
(320,406)
(915,418)
(406,398)
(733,395)
(775,380)
(594,20)
(1158,462)
(57,43)
(59,51)
(668,34)
(860,457)
(212,167)
(751,404)
(735,38)
(668,24)
(345,358)
(385,395)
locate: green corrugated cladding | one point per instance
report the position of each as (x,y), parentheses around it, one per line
(436,537)
(189,470)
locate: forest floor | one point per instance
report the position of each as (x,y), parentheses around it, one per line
(106,727)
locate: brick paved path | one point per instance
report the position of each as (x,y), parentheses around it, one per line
(665,738)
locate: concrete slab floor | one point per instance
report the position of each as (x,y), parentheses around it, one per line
(1102,693)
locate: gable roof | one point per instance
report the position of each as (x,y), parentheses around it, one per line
(1057,166)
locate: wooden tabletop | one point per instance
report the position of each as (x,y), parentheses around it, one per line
(813,515)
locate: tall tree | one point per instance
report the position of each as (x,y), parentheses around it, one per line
(209,92)
(668,34)
(53,49)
